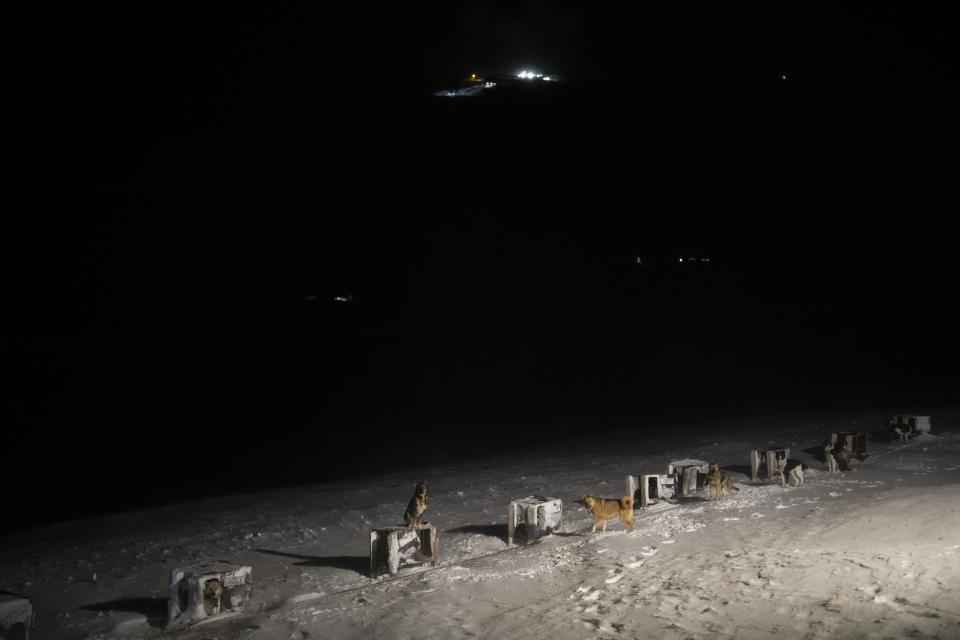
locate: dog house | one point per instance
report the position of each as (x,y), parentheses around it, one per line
(764,461)
(650,488)
(208,590)
(853,440)
(689,476)
(16,616)
(396,548)
(920,424)
(682,479)
(533,517)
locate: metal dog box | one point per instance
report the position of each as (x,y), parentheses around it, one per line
(207,590)
(396,548)
(920,424)
(765,461)
(533,517)
(16,616)
(854,440)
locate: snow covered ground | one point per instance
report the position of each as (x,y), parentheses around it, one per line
(868,553)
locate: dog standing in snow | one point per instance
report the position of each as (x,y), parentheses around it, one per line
(903,431)
(603,509)
(829,457)
(796,474)
(848,457)
(781,469)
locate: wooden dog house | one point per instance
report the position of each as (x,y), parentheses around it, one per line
(207,590)
(765,461)
(16,616)
(650,488)
(920,424)
(854,440)
(533,517)
(682,479)
(396,548)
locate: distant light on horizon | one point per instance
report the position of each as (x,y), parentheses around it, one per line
(475,84)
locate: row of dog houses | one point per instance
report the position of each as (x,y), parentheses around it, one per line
(393,549)
(212,589)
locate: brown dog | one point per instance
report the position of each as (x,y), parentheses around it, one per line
(212,593)
(719,482)
(418,504)
(603,509)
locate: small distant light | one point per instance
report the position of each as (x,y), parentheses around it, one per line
(783,76)
(681,259)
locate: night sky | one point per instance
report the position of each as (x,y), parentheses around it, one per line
(202,185)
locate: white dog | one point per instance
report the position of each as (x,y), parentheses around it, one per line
(796,474)
(781,468)
(828,456)
(903,432)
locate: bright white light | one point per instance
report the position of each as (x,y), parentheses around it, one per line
(681,259)
(529,75)
(547,78)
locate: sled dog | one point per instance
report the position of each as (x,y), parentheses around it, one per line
(719,482)
(604,509)
(418,504)
(903,431)
(782,469)
(796,474)
(828,456)
(212,593)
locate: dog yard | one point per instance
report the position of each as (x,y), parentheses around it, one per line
(872,552)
